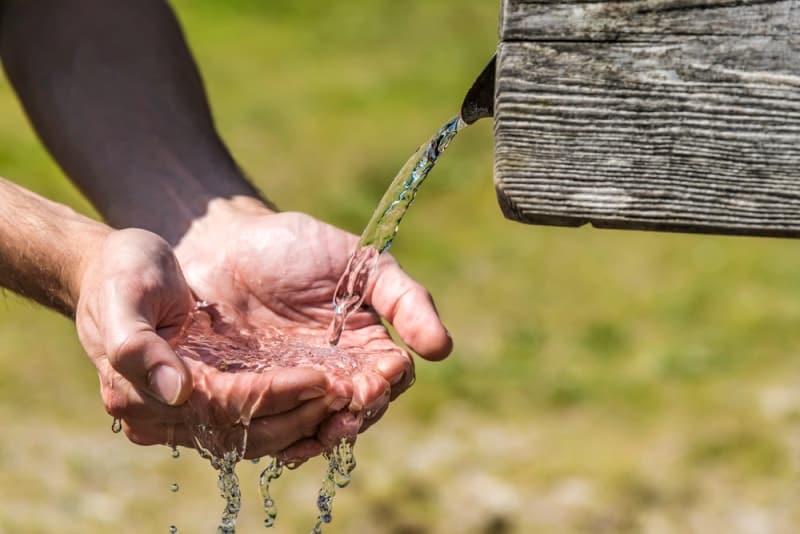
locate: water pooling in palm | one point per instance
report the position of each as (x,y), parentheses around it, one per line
(243,348)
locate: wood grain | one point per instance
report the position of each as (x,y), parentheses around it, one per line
(526,20)
(672,115)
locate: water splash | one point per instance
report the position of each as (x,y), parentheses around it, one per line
(341,463)
(241,348)
(230,491)
(272,472)
(382,228)
(223,447)
(207,342)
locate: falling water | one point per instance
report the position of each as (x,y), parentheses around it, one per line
(241,348)
(204,345)
(341,463)
(384,224)
(270,473)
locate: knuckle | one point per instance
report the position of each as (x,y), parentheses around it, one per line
(116,403)
(309,429)
(125,348)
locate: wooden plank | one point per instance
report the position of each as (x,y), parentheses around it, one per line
(527,20)
(650,115)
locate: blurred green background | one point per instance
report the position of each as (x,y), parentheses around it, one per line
(601,381)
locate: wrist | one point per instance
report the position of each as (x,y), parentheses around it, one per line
(219,217)
(222,210)
(87,243)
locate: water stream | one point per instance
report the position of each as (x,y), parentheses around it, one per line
(239,348)
(382,228)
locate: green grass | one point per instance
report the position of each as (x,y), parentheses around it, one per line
(602,381)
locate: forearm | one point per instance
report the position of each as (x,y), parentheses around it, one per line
(43,247)
(113,91)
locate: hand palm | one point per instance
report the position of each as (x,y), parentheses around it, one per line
(280,271)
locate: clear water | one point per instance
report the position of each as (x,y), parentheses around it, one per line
(242,348)
(214,344)
(341,463)
(272,472)
(382,228)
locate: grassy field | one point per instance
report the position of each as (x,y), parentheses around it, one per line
(602,382)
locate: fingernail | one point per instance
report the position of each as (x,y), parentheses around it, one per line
(338,404)
(165,383)
(350,424)
(311,393)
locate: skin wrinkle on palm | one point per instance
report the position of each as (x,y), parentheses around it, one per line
(209,343)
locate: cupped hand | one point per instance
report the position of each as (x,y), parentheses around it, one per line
(280,270)
(133,302)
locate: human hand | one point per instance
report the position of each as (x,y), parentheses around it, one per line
(133,300)
(279,270)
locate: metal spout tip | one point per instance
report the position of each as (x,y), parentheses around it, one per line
(479,102)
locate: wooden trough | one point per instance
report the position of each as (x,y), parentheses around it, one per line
(679,115)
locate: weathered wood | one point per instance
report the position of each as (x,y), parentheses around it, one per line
(667,114)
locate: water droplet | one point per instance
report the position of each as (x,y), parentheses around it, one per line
(174,487)
(340,479)
(272,472)
(176,453)
(255,460)
(116,425)
(341,463)
(173,529)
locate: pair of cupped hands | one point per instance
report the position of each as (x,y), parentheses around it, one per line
(271,270)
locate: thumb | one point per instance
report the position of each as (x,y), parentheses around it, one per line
(409,308)
(146,360)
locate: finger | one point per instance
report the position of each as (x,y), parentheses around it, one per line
(146,360)
(372,419)
(298,453)
(248,396)
(133,305)
(371,392)
(287,389)
(341,425)
(124,401)
(410,309)
(269,435)
(397,368)
(151,433)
